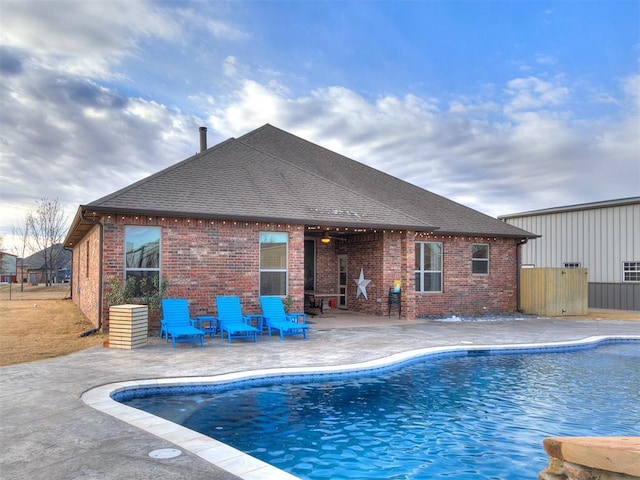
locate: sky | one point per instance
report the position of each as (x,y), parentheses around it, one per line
(503,106)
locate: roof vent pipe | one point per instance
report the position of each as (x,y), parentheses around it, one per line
(203,138)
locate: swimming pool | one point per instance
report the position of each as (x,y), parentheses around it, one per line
(460,414)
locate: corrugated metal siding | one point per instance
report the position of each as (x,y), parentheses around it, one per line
(618,296)
(600,239)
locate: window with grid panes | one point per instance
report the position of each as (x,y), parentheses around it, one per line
(428,268)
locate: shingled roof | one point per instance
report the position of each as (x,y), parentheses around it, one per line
(272,175)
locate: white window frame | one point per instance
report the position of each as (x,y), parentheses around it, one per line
(422,271)
(284,236)
(633,269)
(476,261)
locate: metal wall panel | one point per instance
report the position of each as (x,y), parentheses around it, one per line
(599,238)
(618,296)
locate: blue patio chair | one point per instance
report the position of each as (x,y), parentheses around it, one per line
(232,321)
(286,323)
(176,323)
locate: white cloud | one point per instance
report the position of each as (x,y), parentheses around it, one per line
(224,30)
(533,93)
(631,86)
(531,156)
(65,132)
(82,38)
(72,139)
(230,66)
(546,60)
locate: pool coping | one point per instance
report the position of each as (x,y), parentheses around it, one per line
(248,467)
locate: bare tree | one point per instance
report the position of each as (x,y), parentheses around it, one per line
(46,227)
(22,231)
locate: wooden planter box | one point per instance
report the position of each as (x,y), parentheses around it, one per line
(128,326)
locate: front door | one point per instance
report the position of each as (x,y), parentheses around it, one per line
(342,281)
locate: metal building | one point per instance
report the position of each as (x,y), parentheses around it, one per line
(603,237)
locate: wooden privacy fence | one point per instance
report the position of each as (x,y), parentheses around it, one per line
(554,291)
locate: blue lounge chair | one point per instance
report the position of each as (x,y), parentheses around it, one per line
(176,323)
(286,323)
(232,321)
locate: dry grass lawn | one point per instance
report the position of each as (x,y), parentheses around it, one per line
(39,323)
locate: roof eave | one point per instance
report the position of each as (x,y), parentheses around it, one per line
(77,220)
(573,208)
(324,222)
(93,210)
(524,234)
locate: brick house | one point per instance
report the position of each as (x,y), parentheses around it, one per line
(269,213)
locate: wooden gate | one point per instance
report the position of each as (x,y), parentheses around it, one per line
(554,291)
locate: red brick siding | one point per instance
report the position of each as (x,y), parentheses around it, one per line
(464,293)
(85,281)
(365,252)
(202,259)
(327,266)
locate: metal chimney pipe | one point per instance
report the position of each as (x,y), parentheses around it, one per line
(203,138)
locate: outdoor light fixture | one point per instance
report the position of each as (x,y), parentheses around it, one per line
(326,238)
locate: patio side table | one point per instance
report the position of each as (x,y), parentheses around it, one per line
(256,320)
(208,324)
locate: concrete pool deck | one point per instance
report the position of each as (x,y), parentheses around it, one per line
(47,432)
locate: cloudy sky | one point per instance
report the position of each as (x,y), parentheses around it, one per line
(503,106)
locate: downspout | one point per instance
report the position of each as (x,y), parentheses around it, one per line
(519,245)
(101,227)
(70,276)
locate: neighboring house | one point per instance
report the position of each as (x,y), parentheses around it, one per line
(33,269)
(269,213)
(603,237)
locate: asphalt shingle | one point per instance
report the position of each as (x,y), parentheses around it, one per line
(272,175)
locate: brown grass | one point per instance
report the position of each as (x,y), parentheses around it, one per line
(39,323)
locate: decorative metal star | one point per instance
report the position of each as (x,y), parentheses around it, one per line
(362,285)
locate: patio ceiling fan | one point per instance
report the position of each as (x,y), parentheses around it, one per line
(326,238)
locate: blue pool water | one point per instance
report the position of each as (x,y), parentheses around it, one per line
(477,416)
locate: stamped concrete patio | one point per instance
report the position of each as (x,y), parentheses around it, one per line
(47,432)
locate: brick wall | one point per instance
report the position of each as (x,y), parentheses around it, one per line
(389,256)
(327,266)
(85,271)
(365,252)
(204,258)
(465,293)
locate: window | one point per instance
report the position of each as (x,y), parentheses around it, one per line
(428,267)
(273,263)
(142,258)
(631,271)
(571,264)
(480,259)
